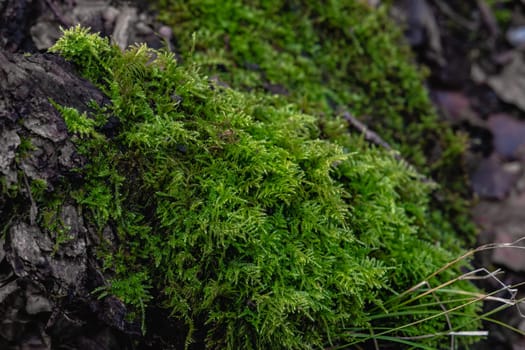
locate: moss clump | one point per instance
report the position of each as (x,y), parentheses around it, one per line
(327,57)
(240,216)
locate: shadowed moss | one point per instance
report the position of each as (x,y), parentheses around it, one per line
(237,213)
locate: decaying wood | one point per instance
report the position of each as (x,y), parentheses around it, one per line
(15,18)
(46,299)
(45,293)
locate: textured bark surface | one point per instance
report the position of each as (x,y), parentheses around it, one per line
(15,20)
(45,300)
(45,292)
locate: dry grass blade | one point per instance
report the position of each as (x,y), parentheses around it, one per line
(411,295)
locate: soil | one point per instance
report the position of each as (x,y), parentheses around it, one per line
(476,79)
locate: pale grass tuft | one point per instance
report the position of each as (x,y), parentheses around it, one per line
(424,288)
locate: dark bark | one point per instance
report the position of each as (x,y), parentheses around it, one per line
(45,294)
(16,19)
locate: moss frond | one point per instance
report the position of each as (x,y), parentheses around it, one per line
(236,215)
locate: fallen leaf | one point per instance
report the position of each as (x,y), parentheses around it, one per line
(511,258)
(456,107)
(503,222)
(492,180)
(509,135)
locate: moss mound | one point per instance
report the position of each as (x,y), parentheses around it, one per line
(327,57)
(254,226)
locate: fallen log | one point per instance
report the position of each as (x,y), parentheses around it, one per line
(45,292)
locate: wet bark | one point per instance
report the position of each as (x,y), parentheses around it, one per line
(46,299)
(16,17)
(45,293)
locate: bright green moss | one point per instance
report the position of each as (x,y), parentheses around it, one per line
(329,57)
(240,217)
(327,54)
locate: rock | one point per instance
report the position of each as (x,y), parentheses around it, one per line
(86,10)
(143,29)
(45,34)
(124,21)
(109,15)
(166,32)
(516,36)
(32,25)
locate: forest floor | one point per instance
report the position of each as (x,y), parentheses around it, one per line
(473,51)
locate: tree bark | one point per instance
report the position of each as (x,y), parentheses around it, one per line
(45,293)
(15,21)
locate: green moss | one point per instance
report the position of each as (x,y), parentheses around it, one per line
(329,57)
(501,10)
(327,54)
(237,214)
(38,188)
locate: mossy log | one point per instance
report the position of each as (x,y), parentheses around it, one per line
(253,224)
(45,299)
(251,220)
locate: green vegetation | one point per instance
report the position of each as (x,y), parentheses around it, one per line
(258,225)
(502,11)
(328,57)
